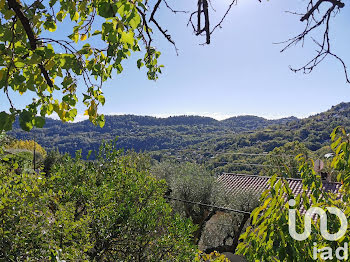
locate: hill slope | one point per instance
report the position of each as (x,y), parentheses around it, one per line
(179,135)
(220,153)
(140,132)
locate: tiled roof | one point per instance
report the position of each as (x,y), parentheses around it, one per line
(237,183)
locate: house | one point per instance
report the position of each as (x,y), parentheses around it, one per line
(241,183)
(237,183)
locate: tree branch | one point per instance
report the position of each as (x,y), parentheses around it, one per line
(17,8)
(206,25)
(223,18)
(172,10)
(317,5)
(313,24)
(164,32)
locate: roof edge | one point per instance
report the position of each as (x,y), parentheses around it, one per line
(289,178)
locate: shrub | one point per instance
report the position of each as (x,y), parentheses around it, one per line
(110,209)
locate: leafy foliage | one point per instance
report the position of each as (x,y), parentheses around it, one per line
(99,36)
(204,140)
(212,257)
(223,230)
(52,158)
(138,132)
(109,209)
(4,141)
(28,145)
(268,237)
(194,193)
(282,160)
(190,182)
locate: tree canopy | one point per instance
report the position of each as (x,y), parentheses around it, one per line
(111,209)
(100,35)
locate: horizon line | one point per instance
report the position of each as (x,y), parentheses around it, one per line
(80,118)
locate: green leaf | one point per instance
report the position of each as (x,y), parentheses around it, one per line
(96,32)
(83,37)
(35,59)
(2,4)
(101,121)
(49,65)
(50,26)
(73,113)
(101,99)
(2,74)
(105,10)
(52,3)
(69,99)
(61,15)
(140,4)
(6,121)
(74,37)
(75,16)
(39,121)
(140,63)
(9,14)
(135,22)
(25,120)
(128,37)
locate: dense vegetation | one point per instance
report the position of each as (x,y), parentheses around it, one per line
(224,153)
(121,206)
(139,132)
(110,209)
(98,35)
(115,206)
(200,139)
(268,237)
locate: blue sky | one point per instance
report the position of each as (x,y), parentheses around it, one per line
(241,72)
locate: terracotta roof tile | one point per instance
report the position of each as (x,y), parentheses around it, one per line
(237,183)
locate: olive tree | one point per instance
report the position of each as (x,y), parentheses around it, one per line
(223,231)
(189,182)
(197,195)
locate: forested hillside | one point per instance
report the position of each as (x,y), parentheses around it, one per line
(236,152)
(191,137)
(140,132)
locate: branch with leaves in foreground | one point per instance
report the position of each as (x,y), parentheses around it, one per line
(268,237)
(37,61)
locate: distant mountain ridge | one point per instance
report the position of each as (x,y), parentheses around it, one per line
(147,133)
(313,131)
(220,154)
(255,122)
(140,132)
